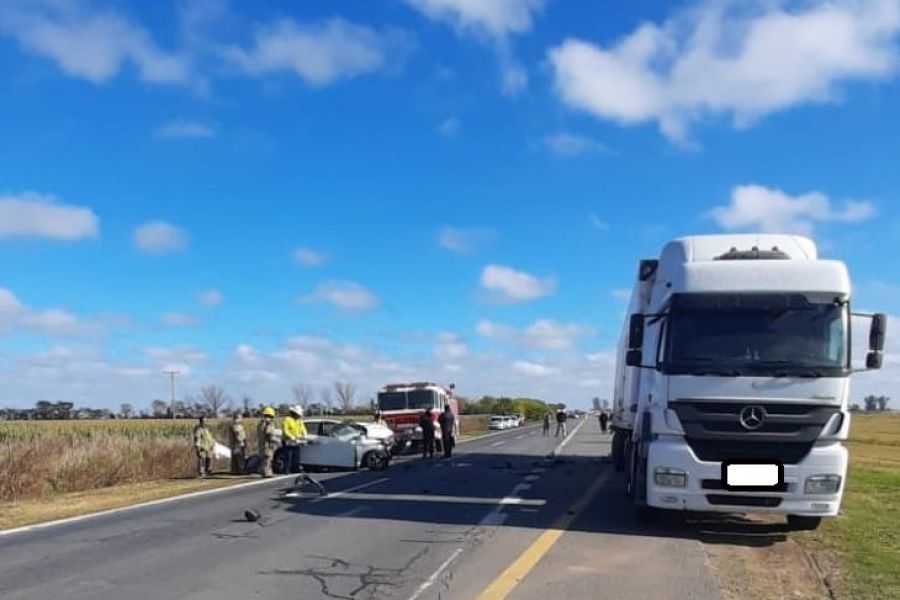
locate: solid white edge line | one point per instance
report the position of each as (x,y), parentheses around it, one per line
(188,496)
(434,576)
(157,502)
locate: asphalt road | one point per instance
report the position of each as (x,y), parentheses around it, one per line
(501,519)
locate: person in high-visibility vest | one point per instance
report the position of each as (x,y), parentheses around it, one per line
(293,434)
(267,440)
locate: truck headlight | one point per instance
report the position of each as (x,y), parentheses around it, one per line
(668,477)
(822,484)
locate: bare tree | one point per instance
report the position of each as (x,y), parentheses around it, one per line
(247,403)
(345,392)
(882,403)
(126,410)
(214,398)
(158,407)
(303,393)
(327,397)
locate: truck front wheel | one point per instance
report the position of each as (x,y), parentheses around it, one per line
(801,523)
(618,450)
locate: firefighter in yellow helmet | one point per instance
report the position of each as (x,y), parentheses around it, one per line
(268,440)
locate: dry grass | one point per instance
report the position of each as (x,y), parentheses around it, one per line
(44,459)
(28,512)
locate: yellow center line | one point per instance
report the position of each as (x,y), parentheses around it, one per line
(516,572)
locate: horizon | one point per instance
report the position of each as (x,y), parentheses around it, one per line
(415,190)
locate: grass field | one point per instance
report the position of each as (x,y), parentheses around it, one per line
(860,550)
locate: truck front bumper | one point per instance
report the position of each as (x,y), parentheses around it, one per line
(703,491)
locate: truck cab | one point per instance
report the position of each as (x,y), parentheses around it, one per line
(733,378)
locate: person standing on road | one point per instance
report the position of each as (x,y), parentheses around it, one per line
(238,441)
(604,420)
(561,422)
(427,425)
(293,432)
(267,440)
(447,421)
(546,425)
(204,444)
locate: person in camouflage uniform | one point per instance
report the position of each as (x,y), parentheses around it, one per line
(268,441)
(238,439)
(204,444)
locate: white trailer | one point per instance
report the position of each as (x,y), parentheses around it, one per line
(732,379)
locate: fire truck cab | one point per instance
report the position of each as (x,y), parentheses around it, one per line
(401,405)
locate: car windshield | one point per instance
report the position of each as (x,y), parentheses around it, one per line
(420,399)
(391,401)
(344,432)
(787,339)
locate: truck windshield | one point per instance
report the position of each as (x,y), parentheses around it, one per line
(421,399)
(788,339)
(391,401)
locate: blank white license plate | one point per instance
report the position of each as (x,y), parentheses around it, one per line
(752,475)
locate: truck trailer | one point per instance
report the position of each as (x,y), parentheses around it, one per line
(732,379)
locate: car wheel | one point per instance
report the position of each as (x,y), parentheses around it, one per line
(801,523)
(376,460)
(279,462)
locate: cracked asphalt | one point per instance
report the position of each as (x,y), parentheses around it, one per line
(420,530)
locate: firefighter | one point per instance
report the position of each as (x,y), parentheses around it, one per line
(204,444)
(238,442)
(427,426)
(267,440)
(293,433)
(447,421)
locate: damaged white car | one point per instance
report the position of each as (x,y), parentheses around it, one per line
(340,447)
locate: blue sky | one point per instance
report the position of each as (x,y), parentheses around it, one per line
(264,194)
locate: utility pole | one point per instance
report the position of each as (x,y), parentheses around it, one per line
(172,375)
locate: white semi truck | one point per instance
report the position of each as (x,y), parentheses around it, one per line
(732,379)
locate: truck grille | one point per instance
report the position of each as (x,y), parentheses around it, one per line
(722,500)
(714,431)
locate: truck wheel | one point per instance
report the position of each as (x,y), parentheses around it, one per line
(801,523)
(279,462)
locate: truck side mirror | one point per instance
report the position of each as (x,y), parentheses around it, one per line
(874,360)
(636,332)
(877,332)
(634,358)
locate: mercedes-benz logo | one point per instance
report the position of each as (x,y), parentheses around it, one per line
(753,417)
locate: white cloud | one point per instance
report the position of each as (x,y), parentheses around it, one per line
(450,347)
(177,319)
(571,144)
(16,316)
(598,223)
(90,45)
(345,295)
(509,285)
(159,238)
(182,128)
(449,127)
(211,298)
(543,334)
(490,20)
(464,241)
(308,257)
(319,54)
(533,369)
(496,18)
(758,208)
(731,59)
(39,216)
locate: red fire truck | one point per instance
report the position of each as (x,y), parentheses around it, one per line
(401,405)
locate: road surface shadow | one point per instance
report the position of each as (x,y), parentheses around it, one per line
(463,491)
